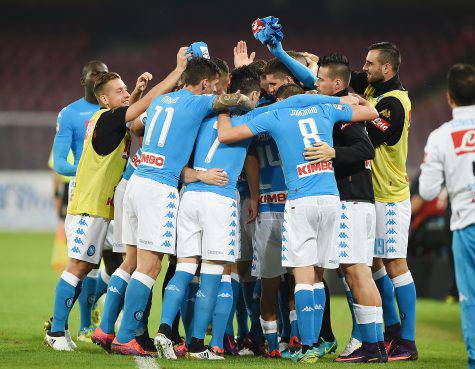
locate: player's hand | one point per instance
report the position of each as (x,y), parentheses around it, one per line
(182,58)
(142,81)
(319,152)
(214,176)
(240,55)
(253,209)
(361,101)
(350,100)
(311,58)
(312,92)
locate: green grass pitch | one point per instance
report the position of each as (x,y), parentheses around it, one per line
(26,299)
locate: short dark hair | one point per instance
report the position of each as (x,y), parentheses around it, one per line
(275,66)
(90,65)
(389,53)
(461,84)
(338,66)
(259,67)
(199,69)
(222,65)
(245,79)
(290,89)
(101,81)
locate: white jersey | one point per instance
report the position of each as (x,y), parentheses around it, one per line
(450,155)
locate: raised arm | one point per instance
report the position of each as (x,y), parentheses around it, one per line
(163,87)
(298,70)
(228,134)
(364,111)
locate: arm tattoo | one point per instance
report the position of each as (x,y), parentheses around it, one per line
(227,101)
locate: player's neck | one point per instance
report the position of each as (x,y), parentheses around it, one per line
(194,89)
(90,97)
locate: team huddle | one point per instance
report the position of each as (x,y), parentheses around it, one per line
(254,182)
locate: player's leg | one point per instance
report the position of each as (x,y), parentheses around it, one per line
(155,205)
(463,246)
(83,255)
(384,222)
(171,269)
(222,311)
(327,342)
(284,311)
(398,220)
(229,342)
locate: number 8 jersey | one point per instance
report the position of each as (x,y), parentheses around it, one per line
(295,129)
(172,123)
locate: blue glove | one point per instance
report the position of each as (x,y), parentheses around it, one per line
(199,50)
(267,30)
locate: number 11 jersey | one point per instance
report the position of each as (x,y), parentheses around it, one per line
(172,123)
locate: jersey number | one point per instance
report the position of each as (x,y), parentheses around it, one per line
(213,147)
(265,154)
(165,128)
(309,131)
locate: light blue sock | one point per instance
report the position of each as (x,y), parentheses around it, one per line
(206,298)
(269,328)
(135,303)
(64,300)
(103,280)
(366,319)
(175,291)
(305,308)
(114,300)
(236,286)
(355,333)
(319,298)
(87,298)
(143,325)
(379,324)
(406,301)
(222,310)
(242,316)
(188,306)
(294,326)
(386,290)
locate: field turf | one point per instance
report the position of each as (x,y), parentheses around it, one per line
(26,299)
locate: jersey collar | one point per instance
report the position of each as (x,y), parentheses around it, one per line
(390,85)
(464,112)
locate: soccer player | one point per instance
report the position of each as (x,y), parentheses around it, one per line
(382,87)
(71,130)
(151,197)
(99,171)
(206,229)
(312,205)
(449,157)
(351,157)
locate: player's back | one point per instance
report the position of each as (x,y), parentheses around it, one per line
(295,129)
(210,153)
(173,121)
(272,187)
(75,117)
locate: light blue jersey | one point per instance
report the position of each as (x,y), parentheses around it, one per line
(173,121)
(132,164)
(272,188)
(295,129)
(210,153)
(70,132)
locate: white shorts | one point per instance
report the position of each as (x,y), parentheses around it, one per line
(85,237)
(72,184)
(207,226)
(245,232)
(109,240)
(392,229)
(150,212)
(309,232)
(118,245)
(355,239)
(266,261)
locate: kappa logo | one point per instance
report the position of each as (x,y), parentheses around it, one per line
(232,224)
(343,226)
(168,234)
(231,252)
(82,222)
(343,245)
(284,248)
(391,222)
(391,231)
(342,235)
(172,287)
(307,309)
(200,294)
(233,214)
(391,240)
(232,233)
(343,217)
(310,169)
(283,258)
(169,225)
(80,231)
(283,229)
(225,295)
(464,141)
(391,213)
(170,215)
(113,289)
(171,205)
(166,244)
(232,243)
(391,204)
(343,254)
(391,250)
(171,195)
(78,241)
(75,249)
(284,239)
(233,204)
(318,307)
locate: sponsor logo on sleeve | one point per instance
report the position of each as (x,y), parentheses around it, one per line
(310,169)
(381,124)
(464,141)
(152,160)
